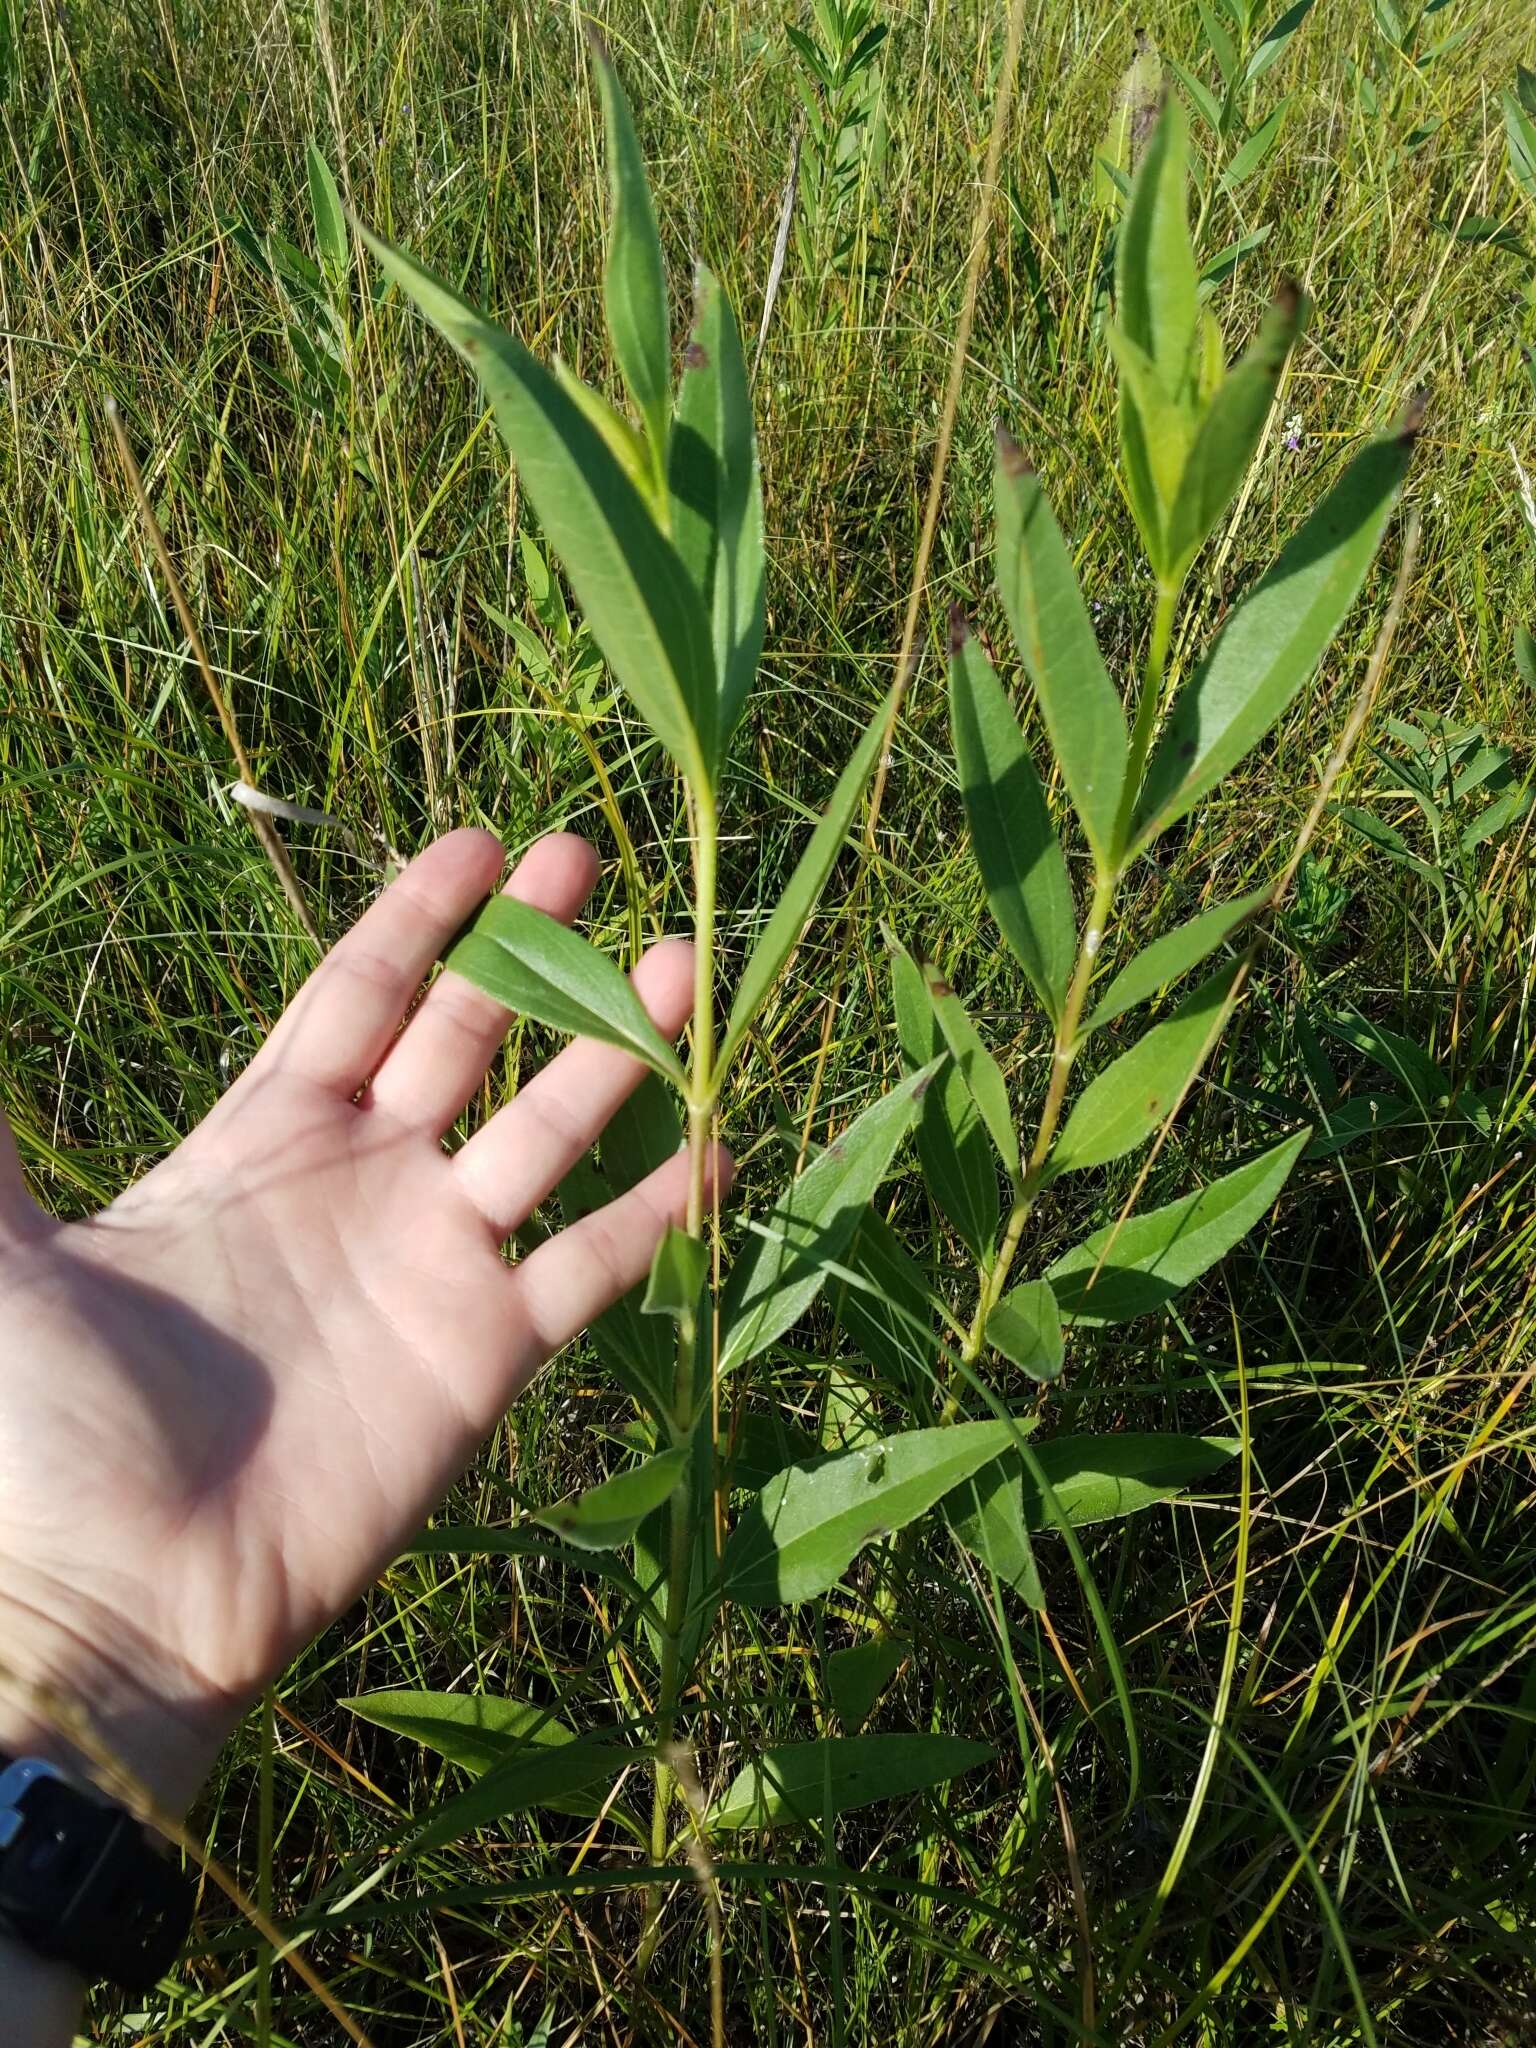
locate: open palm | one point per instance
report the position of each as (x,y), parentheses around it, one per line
(228,1399)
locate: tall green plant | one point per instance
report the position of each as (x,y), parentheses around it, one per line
(657,520)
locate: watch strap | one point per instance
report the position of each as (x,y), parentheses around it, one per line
(81,1882)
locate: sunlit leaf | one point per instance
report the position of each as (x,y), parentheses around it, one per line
(1256,148)
(634,591)
(980,1072)
(331,238)
(1135,110)
(857,1676)
(1025,1326)
(608,1514)
(536,966)
(784,1264)
(1051,629)
(1125,1104)
(1016,847)
(986,1514)
(475,1731)
(1273,641)
(809,1523)
(1096,1478)
(1171,956)
(634,281)
(1229,433)
(1154,257)
(959,1169)
(802,892)
(1141,1264)
(537,1776)
(807,1782)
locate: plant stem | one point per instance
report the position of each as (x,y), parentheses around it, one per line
(1147,705)
(703,1097)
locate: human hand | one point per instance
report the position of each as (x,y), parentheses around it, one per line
(230,1398)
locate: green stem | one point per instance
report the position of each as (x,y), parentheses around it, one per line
(1147,706)
(703,1099)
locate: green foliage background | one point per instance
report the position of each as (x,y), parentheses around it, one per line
(342,517)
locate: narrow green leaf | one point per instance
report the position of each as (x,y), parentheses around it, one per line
(1229,433)
(1525,655)
(1272,44)
(1132,1269)
(809,1523)
(1156,430)
(608,1514)
(1154,257)
(981,1074)
(1045,608)
(1171,956)
(634,591)
(1520,134)
(624,442)
(781,934)
(1127,1102)
(533,1777)
(331,238)
(808,1782)
(857,1676)
(537,967)
(1274,640)
(783,1267)
(677,1275)
(1256,148)
(472,1730)
(986,1514)
(1025,1326)
(715,478)
(959,1170)
(1096,1478)
(1017,851)
(634,281)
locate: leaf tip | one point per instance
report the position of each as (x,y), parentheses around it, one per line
(959,628)
(1011,459)
(1412,421)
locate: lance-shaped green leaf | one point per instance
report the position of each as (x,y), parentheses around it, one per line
(959,1170)
(677,1275)
(626,443)
(537,1776)
(981,1074)
(634,591)
(1272,643)
(717,499)
(807,1782)
(1045,608)
(1520,135)
(1156,433)
(1155,277)
(331,238)
(1138,1266)
(784,1265)
(1272,45)
(1256,148)
(1229,432)
(609,1514)
(986,1514)
(1133,1095)
(473,1730)
(1017,851)
(1096,1478)
(802,892)
(1171,956)
(539,968)
(809,1523)
(1025,1326)
(857,1676)
(634,281)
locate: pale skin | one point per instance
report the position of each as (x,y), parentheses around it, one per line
(229,1399)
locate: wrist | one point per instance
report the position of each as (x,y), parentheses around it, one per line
(87,1691)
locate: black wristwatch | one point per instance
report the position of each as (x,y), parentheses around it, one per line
(81,1882)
